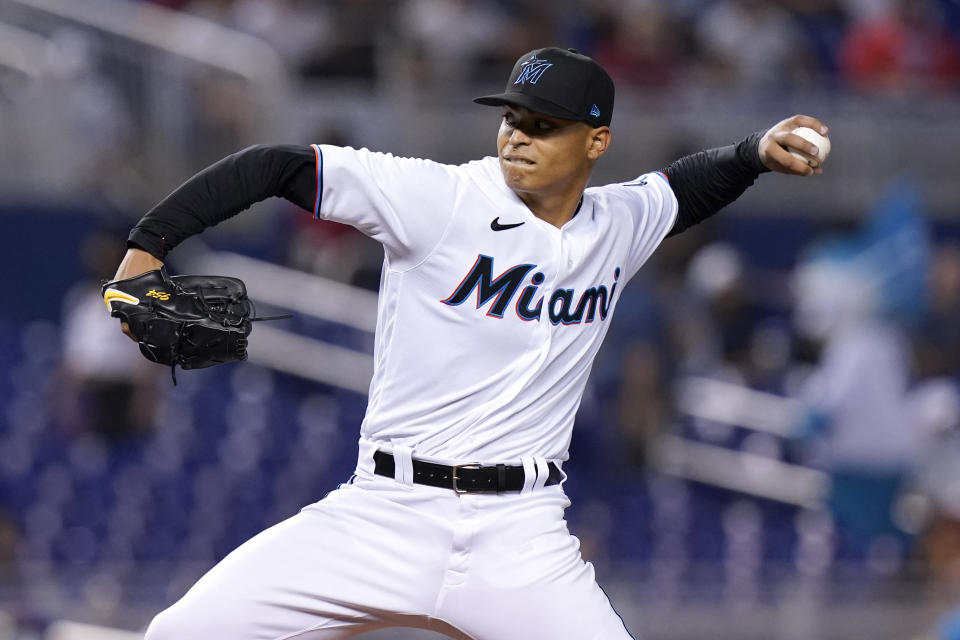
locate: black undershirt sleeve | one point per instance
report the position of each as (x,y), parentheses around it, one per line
(223,190)
(707,181)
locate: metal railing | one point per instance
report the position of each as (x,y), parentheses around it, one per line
(138,93)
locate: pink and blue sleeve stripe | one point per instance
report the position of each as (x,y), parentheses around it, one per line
(319,156)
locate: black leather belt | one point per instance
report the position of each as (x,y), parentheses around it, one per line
(464,478)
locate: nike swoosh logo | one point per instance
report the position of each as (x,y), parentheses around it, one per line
(496,226)
(112,295)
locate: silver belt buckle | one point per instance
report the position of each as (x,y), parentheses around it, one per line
(469,465)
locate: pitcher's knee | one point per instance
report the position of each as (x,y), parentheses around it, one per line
(159,629)
(176,624)
(194,620)
(172,624)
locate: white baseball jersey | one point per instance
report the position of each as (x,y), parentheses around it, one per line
(489,318)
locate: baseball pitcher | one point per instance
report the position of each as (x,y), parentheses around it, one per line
(500,279)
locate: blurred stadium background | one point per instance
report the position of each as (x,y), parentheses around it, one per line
(769,446)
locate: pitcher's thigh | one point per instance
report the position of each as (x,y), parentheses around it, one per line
(556,611)
(334,568)
(536,587)
(259,592)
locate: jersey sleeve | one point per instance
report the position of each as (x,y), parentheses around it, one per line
(652,208)
(404,203)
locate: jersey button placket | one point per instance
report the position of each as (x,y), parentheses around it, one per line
(566,254)
(554,282)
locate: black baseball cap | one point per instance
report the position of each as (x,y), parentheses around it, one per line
(557,82)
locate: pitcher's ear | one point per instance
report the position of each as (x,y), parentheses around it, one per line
(598,142)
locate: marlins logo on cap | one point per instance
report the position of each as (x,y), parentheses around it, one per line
(559,82)
(533,68)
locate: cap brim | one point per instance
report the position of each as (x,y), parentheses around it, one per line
(529,102)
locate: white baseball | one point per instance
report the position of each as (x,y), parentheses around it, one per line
(822,142)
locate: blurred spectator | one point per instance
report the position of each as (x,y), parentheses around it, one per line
(718,279)
(298,30)
(8,546)
(937,405)
(904,48)
(823,24)
(359,29)
(315,39)
(855,295)
(335,251)
(867,9)
(105,386)
(937,347)
(222,112)
(644,390)
(937,339)
(97,124)
(657,326)
(530,25)
(751,43)
(450,37)
(639,44)
(856,396)
(630,384)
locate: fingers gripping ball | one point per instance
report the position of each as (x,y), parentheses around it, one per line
(191,321)
(822,142)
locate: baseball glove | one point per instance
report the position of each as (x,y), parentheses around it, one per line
(191,321)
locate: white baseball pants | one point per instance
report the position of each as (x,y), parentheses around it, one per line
(378,553)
